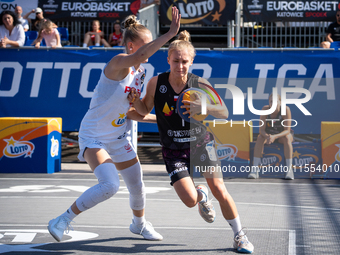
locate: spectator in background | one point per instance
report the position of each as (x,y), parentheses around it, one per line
(274,131)
(115,38)
(38,17)
(333,34)
(145,3)
(11,31)
(24,22)
(49,33)
(95,36)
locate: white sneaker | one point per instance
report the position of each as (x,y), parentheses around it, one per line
(146,230)
(290,174)
(57,226)
(253,175)
(206,209)
(242,245)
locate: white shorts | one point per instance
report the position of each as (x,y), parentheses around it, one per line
(124,152)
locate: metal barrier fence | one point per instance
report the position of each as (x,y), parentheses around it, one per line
(236,34)
(148,16)
(278,34)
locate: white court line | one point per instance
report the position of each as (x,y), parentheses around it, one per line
(291,233)
(160,227)
(292,243)
(177,200)
(168,181)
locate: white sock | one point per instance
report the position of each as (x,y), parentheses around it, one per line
(69,214)
(256,163)
(236,226)
(84,45)
(204,196)
(138,220)
(289,162)
(97,44)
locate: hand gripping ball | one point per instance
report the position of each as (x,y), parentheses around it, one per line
(191,94)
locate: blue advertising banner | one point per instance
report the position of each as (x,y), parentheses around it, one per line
(60,83)
(304,10)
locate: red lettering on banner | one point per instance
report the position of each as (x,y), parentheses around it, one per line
(108,14)
(316,14)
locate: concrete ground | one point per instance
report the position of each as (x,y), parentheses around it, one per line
(282,217)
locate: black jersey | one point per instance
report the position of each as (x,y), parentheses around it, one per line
(334,29)
(274,127)
(175,133)
(35,24)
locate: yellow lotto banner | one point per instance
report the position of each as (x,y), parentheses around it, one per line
(330,142)
(232,143)
(30,145)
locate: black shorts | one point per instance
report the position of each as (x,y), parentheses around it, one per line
(182,163)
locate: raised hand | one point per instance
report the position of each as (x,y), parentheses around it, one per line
(175,22)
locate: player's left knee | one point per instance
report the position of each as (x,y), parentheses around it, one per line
(137,189)
(137,196)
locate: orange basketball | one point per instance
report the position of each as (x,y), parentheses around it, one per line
(187,97)
(190,95)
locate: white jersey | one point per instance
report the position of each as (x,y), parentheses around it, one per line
(105,121)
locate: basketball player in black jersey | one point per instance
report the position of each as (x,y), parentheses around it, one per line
(185,144)
(273,131)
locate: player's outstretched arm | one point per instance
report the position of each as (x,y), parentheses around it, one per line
(122,61)
(144,106)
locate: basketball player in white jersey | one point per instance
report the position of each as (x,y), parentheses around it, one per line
(103,132)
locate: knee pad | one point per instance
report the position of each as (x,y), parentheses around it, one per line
(108,186)
(134,182)
(103,191)
(137,196)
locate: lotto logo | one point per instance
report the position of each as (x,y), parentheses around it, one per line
(15,149)
(54,147)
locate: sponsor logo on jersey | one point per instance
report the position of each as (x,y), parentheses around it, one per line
(163,89)
(168,111)
(142,78)
(120,121)
(128,147)
(128,90)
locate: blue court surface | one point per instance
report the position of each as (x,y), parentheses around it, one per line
(282,217)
